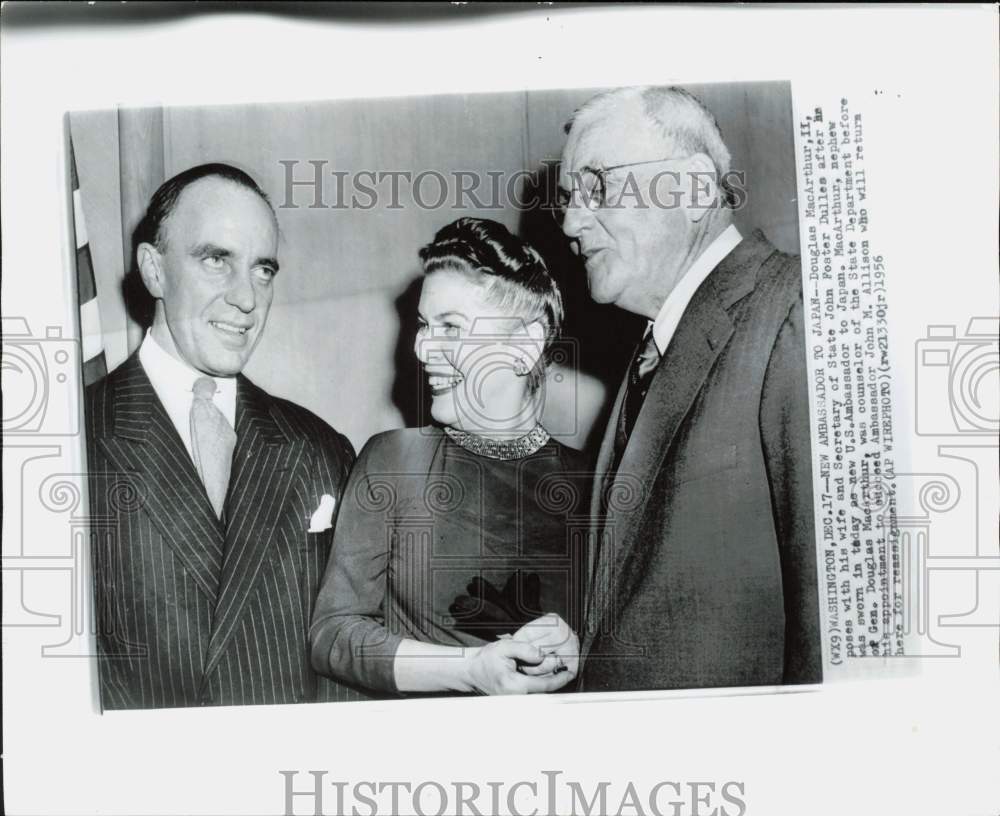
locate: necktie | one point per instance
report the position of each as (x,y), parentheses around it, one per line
(641,370)
(212,443)
(640,375)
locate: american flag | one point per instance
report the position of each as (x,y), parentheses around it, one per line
(94,364)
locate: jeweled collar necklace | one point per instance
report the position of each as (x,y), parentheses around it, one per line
(518,448)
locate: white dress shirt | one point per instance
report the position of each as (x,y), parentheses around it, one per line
(677,301)
(173,382)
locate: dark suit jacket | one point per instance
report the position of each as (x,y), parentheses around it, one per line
(705,573)
(192,611)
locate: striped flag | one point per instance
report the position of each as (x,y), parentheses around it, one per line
(94,364)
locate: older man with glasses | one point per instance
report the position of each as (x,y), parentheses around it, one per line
(704,574)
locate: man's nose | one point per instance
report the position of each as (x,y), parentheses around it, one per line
(241,293)
(574,220)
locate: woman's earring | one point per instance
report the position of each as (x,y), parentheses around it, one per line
(520,367)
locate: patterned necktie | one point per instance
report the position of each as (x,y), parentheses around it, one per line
(212,443)
(640,375)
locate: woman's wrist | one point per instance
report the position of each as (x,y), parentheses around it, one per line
(465,669)
(428,667)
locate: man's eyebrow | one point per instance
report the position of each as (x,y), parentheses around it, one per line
(209,248)
(271,262)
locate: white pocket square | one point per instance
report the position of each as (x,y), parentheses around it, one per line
(322,516)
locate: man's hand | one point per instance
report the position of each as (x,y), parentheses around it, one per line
(558,644)
(493,669)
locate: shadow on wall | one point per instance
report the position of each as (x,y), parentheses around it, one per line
(139,304)
(408,391)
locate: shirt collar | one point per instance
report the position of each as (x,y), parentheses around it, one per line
(677,301)
(171,376)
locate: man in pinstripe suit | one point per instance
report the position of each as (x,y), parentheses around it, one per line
(211,499)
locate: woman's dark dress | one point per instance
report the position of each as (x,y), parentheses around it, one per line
(424,522)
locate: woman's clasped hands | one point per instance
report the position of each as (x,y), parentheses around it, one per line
(541,657)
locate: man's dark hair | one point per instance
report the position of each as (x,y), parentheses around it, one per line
(138,301)
(165,198)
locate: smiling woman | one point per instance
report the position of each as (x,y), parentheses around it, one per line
(488,314)
(453,567)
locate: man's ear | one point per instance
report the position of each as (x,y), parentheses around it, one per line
(150,263)
(701,187)
(532,351)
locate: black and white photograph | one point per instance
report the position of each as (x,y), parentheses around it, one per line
(499,393)
(513,409)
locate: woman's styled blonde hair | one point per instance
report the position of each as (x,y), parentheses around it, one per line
(512,275)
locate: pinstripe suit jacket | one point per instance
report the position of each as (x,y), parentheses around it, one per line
(192,611)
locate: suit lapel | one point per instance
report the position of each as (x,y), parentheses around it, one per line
(145,443)
(602,468)
(698,341)
(703,332)
(262,477)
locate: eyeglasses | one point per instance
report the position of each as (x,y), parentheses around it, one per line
(592,187)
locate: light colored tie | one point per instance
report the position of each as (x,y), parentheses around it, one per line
(212,442)
(649,356)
